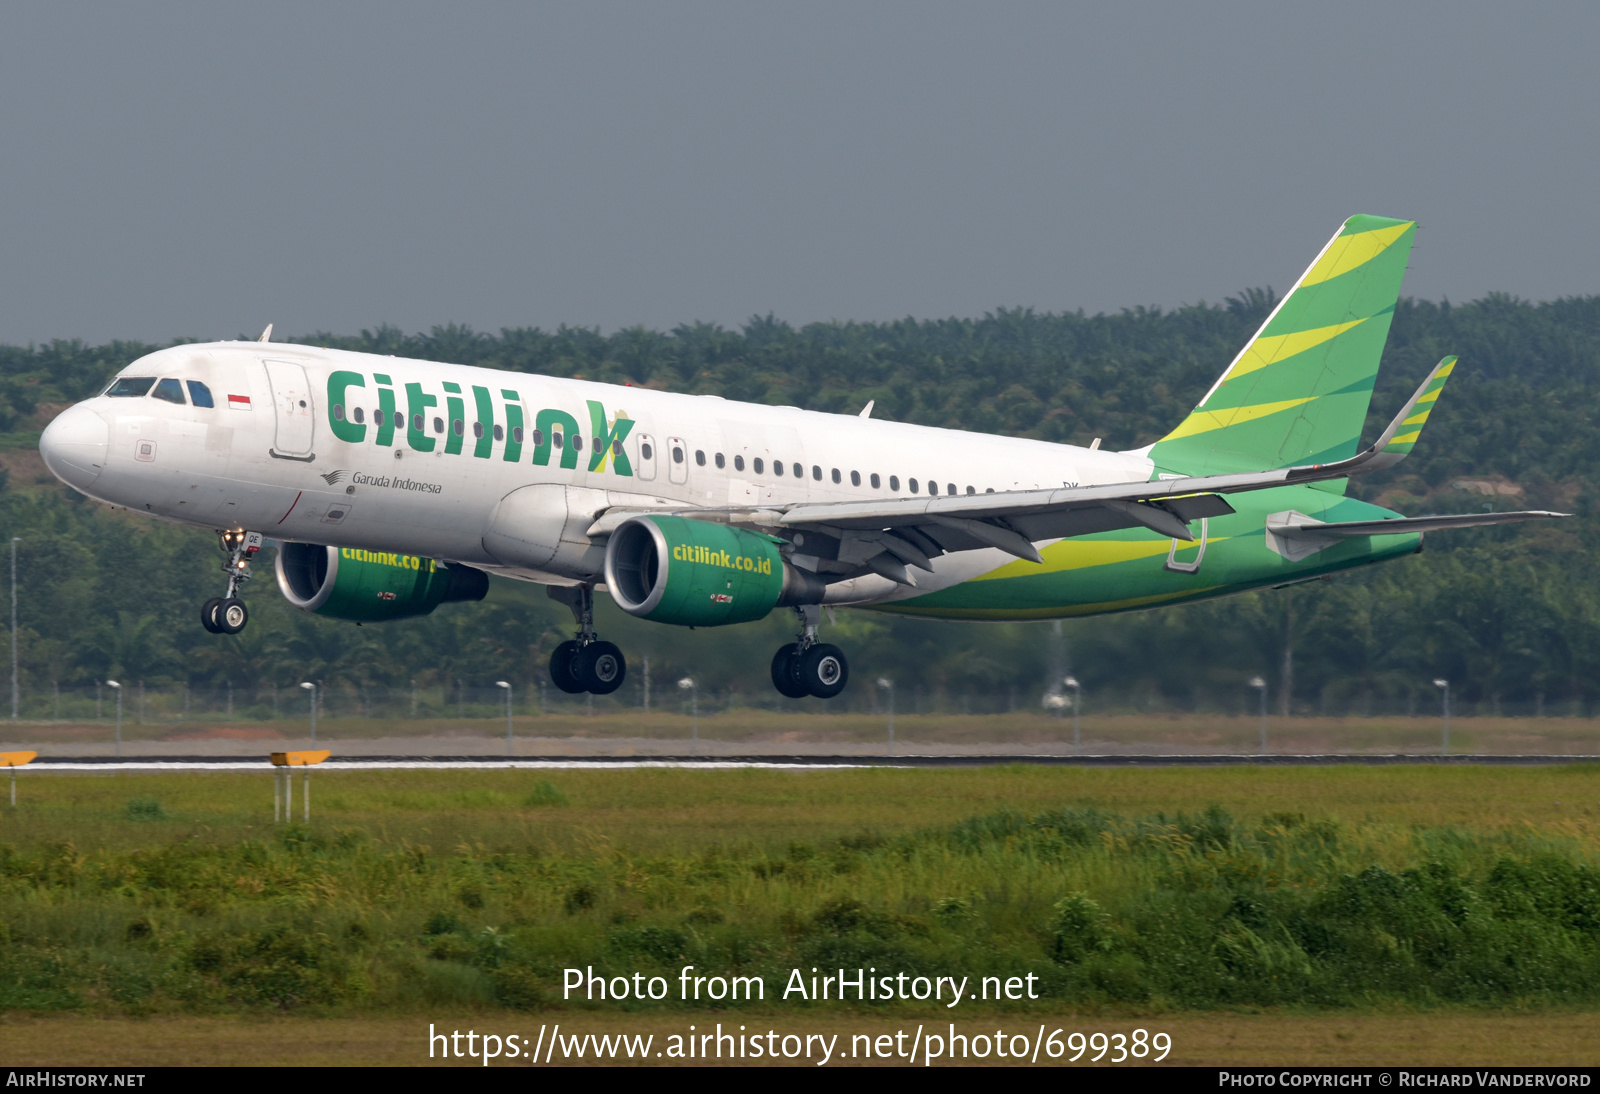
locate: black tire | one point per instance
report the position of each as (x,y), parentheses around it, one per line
(208,615)
(783,672)
(823,670)
(600,668)
(231,616)
(561,668)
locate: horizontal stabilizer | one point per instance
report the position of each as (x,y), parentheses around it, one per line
(1430,524)
(1296,536)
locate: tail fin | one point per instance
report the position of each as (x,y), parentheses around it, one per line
(1297,394)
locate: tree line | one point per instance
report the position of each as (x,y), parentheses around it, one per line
(1511,616)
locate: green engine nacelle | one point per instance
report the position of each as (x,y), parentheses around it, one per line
(362,586)
(698,574)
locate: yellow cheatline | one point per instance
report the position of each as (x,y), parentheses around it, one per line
(1348,252)
(17,759)
(1063,612)
(1430,397)
(299,759)
(1072,554)
(1417,419)
(1204,421)
(1272,348)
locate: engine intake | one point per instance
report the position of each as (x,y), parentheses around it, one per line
(698,574)
(361,586)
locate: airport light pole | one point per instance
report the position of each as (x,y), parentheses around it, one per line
(507,686)
(888,685)
(311,689)
(1077,704)
(1261,689)
(687,684)
(15,693)
(1444,697)
(116,687)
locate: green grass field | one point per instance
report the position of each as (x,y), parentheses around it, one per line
(1168,892)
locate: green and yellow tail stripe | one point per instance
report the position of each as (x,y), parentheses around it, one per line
(1411,428)
(1298,392)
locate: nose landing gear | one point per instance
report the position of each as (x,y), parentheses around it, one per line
(809,667)
(227,614)
(585,664)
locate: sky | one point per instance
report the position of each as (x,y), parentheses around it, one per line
(199,170)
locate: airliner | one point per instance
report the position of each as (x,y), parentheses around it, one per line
(390,486)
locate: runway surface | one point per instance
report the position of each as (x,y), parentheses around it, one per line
(103,764)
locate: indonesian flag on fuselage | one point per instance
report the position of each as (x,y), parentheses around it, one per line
(239,402)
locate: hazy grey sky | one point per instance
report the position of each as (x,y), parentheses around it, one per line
(202,169)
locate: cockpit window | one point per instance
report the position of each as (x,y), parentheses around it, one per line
(200,395)
(130,387)
(169,390)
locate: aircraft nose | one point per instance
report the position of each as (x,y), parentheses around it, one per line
(74,446)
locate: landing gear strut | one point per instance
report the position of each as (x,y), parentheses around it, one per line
(227,614)
(584,663)
(808,667)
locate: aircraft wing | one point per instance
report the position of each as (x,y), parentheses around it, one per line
(886,535)
(1014,520)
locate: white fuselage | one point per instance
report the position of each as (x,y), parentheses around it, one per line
(266,456)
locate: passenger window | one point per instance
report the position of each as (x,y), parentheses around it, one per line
(416,422)
(855,478)
(499,431)
(721,461)
(816,472)
(377,418)
(338,411)
(645,451)
(359,415)
(799,472)
(130,387)
(477,429)
(875,482)
(555,438)
(989,491)
(616,446)
(538,441)
(738,463)
(699,456)
(200,395)
(894,483)
(835,474)
(970,490)
(757,465)
(677,454)
(777,468)
(438,425)
(577,444)
(913,484)
(516,433)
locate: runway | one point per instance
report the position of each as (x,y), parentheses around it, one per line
(105,765)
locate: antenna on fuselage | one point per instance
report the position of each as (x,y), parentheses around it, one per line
(266,335)
(866,411)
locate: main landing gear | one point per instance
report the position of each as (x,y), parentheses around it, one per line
(227,614)
(808,667)
(585,663)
